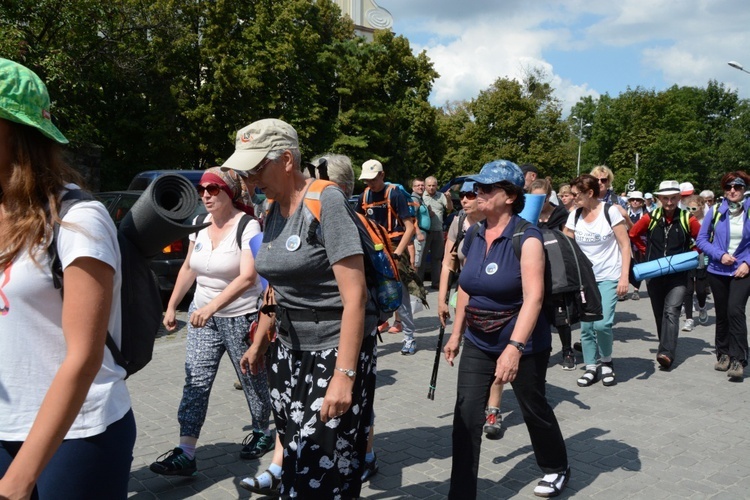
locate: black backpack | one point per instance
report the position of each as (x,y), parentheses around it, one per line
(571,294)
(140,297)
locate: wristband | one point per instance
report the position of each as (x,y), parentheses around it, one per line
(518,345)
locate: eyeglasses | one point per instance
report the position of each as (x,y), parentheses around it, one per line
(213,189)
(603,180)
(485,188)
(575,194)
(256,171)
(735,187)
(693,209)
(468,194)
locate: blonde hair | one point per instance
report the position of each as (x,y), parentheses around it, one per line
(564,189)
(603,170)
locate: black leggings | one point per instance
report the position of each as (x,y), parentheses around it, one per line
(698,285)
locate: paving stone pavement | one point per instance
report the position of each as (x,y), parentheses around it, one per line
(677,434)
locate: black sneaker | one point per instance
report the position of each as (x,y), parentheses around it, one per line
(174,463)
(256,444)
(569,360)
(371,468)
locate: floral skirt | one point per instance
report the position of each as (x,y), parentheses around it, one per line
(321,460)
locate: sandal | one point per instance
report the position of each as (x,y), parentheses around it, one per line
(552,484)
(608,377)
(590,377)
(253,484)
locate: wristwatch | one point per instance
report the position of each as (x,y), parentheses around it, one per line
(518,345)
(349,373)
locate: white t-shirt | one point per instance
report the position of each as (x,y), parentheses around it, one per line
(217,267)
(32,345)
(598,242)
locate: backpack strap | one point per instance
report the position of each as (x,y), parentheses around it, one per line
(607,205)
(461,233)
(519,231)
(241,225)
(714,220)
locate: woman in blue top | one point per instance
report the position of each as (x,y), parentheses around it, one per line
(506,336)
(726,241)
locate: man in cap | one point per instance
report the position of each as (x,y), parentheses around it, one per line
(530,173)
(389,207)
(648,200)
(669,230)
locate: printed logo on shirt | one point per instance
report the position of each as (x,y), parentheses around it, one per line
(5,303)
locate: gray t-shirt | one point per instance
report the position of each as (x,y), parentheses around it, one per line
(301,273)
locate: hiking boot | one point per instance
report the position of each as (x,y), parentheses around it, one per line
(736,370)
(256,444)
(383,327)
(410,347)
(636,295)
(722,364)
(569,360)
(371,468)
(493,424)
(396,328)
(702,315)
(174,463)
(689,324)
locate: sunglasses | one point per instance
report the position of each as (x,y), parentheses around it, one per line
(468,194)
(693,209)
(213,189)
(486,188)
(735,187)
(603,180)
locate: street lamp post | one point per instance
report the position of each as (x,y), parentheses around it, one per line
(580,141)
(738,66)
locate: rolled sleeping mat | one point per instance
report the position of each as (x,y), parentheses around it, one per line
(160,216)
(255,243)
(680,262)
(532,207)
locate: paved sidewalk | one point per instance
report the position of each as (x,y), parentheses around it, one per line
(656,434)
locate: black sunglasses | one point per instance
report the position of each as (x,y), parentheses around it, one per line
(468,194)
(736,187)
(213,189)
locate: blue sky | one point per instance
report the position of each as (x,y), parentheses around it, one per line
(584,47)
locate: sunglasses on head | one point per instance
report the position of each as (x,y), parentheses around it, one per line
(213,189)
(467,194)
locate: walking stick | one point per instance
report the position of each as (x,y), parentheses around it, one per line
(439,348)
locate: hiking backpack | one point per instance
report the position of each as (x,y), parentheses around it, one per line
(571,294)
(140,297)
(392,215)
(381,271)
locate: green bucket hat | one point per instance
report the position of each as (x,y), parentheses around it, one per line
(24,99)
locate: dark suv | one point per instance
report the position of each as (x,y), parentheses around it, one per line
(167,264)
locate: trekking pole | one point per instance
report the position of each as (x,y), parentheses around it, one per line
(433,380)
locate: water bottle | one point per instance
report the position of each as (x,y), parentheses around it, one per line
(387,289)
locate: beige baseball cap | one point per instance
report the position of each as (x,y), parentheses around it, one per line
(370,170)
(255,141)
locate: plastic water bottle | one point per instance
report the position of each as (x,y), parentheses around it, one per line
(388,291)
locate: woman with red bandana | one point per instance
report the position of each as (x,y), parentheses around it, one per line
(223,307)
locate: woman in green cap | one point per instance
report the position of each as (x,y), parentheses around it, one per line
(66,426)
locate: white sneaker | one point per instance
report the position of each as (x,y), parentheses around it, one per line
(689,324)
(703,315)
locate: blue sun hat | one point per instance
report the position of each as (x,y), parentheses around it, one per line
(498,171)
(24,99)
(467,187)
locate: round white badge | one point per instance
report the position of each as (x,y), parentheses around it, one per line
(292,243)
(369,211)
(491,268)
(198,246)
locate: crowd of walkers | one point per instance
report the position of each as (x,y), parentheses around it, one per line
(305,347)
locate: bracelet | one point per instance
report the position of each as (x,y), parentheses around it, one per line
(518,345)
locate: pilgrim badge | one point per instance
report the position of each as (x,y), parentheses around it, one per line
(491,268)
(292,243)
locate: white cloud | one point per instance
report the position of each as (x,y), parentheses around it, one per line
(474,42)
